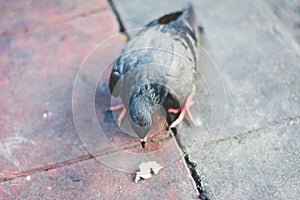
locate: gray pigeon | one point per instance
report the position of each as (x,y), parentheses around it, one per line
(156,69)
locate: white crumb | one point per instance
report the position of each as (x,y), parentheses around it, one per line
(146,169)
(45,115)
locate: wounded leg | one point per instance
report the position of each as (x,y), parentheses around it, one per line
(184,111)
(122,114)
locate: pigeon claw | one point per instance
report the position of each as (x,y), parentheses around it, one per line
(121,115)
(184,111)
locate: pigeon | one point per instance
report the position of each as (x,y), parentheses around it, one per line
(155,70)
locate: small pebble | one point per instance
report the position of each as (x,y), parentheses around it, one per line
(124,37)
(198,123)
(46,114)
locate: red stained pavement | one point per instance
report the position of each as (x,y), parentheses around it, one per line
(42,45)
(91,180)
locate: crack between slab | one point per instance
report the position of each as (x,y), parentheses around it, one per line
(282,123)
(118,17)
(286,35)
(45,168)
(114,9)
(32,30)
(193,172)
(191,165)
(72,161)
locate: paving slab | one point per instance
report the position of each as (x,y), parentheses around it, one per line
(36,81)
(263,165)
(43,156)
(288,13)
(258,58)
(250,48)
(25,16)
(92,180)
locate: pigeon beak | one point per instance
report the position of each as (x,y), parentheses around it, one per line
(143,142)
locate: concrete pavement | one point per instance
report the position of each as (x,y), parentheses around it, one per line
(42,155)
(249,152)
(254,44)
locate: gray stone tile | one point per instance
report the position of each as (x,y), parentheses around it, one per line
(264,165)
(257,60)
(289,13)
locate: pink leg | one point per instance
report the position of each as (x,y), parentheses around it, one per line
(175,111)
(185,110)
(122,114)
(117,107)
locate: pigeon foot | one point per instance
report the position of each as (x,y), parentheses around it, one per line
(184,111)
(122,114)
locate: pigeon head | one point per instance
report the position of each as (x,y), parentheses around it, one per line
(140,116)
(145,101)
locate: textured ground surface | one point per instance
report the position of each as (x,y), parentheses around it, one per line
(255,45)
(252,152)
(43,44)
